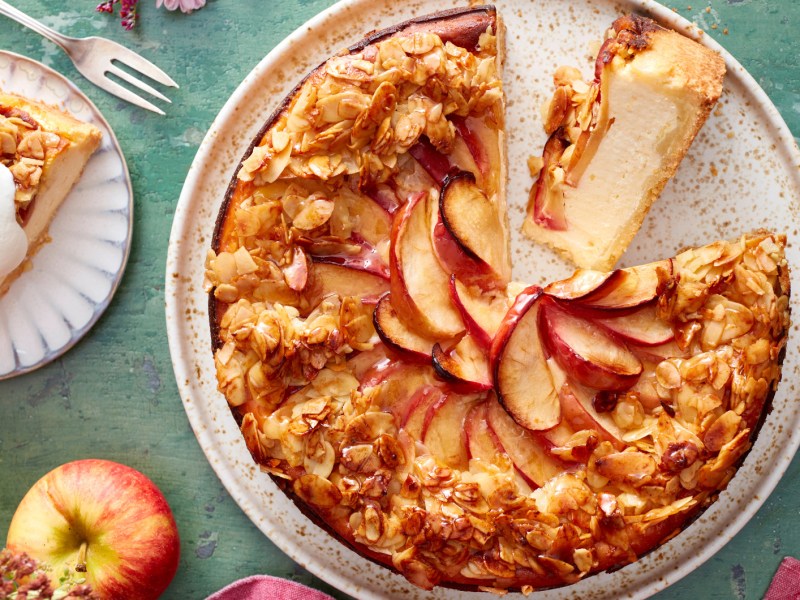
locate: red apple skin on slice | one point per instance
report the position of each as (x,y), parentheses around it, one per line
(381,370)
(454,259)
(385,197)
(643,327)
(367,362)
(522,379)
(424,402)
(434,162)
(465,367)
(483,444)
(586,351)
(367,259)
(578,411)
(474,144)
(482,313)
(660,352)
(634,287)
(418,283)
(548,201)
(397,337)
(481,441)
(400,384)
(522,447)
(467,236)
(344,280)
(581,284)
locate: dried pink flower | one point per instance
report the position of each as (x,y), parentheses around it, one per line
(186,6)
(129,15)
(127,11)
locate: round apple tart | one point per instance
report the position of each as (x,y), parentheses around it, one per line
(458,427)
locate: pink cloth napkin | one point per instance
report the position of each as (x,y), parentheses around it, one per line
(786,583)
(264,587)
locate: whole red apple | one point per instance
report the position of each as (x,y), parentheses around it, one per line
(103,519)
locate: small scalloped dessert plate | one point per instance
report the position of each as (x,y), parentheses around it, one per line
(711,197)
(74,276)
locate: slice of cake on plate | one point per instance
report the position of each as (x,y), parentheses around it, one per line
(46,150)
(615,142)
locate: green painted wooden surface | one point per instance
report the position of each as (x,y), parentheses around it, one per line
(113,396)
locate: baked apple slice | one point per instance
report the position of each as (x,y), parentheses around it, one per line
(483,443)
(522,378)
(580,413)
(325,279)
(354,254)
(401,386)
(583,283)
(465,365)
(586,351)
(629,288)
(643,327)
(522,447)
(466,214)
(546,203)
(421,408)
(434,162)
(481,311)
(397,337)
(420,287)
(615,142)
(445,435)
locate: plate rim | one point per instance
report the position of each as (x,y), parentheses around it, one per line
(284,540)
(101,307)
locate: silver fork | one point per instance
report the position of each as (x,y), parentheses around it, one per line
(94,56)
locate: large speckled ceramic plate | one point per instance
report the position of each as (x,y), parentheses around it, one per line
(741,174)
(74,276)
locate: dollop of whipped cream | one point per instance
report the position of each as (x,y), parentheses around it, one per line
(13,241)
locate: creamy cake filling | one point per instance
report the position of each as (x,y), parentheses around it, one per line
(615,142)
(645,126)
(13,241)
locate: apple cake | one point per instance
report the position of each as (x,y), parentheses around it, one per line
(455,426)
(46,150)
(616,141)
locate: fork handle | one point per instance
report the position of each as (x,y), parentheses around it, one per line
(19,16)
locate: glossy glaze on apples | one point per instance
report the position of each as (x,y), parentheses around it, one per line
(451,425)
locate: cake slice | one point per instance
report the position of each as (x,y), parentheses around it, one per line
(614,143)
(46,150)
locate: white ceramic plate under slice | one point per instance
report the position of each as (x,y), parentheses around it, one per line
(73,277)
(741,174)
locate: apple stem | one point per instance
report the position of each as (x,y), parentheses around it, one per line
(81,566)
